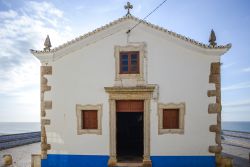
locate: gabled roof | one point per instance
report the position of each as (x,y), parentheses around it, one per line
(127,17)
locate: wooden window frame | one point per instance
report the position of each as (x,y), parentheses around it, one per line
(181,108)
(129,53)
(88,107)
(137,79)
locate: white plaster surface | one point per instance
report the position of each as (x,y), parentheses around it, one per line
(180,69)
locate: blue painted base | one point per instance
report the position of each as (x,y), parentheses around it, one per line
(57,160)
(183,161)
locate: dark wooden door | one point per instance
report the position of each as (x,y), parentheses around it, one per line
(129,129)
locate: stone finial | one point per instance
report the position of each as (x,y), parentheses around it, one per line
(47,44)
(128,7)
(212,39)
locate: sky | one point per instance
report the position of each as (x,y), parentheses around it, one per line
(24,25)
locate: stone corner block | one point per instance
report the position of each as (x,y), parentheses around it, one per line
(214,78)
(46,70)
(215,68)
(211,93)
(214,108)
(46,105)
(45,122)
(215,149)
(215,128)
(45,88)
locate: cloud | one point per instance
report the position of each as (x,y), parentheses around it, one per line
(44,11)
(246,69)
(224,66)
(8,14)
(241,85)
(245,103)
(236,110)
(16,79)
(23,29)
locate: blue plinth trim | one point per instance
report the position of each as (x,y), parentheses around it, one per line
(183,161)
(58,160)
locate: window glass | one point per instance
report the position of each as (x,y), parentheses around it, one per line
(124,59)
(134,58)
(125,68)
(133,68)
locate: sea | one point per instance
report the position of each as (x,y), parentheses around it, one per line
(24,127)
(7,128)
(236,126)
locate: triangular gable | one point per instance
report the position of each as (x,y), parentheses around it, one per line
(82,37)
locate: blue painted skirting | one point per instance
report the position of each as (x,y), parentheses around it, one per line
(58,160)
(183,161)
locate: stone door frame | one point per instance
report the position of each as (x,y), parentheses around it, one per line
(129,93)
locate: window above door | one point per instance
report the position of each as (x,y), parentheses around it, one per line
(130,64)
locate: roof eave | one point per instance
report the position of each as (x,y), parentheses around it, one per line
(218,50)
(43,56)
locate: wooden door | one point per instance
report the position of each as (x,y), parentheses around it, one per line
(129,106)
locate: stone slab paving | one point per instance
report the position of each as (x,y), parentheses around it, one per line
(240,155)
(21,155)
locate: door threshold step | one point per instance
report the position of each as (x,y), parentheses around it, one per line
(127,164)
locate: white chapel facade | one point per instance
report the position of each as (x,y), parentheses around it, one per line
(148,96)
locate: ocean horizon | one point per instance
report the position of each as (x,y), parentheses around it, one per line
(7,128)
(25,127)
(242,126)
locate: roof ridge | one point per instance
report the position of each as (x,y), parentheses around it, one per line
(180,36)
(159,28)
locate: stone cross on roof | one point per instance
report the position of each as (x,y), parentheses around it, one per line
(128,7)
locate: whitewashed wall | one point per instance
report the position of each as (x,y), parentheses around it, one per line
(180,70)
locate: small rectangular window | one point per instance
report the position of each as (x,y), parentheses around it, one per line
(89,119)
(129,62)
(170,118)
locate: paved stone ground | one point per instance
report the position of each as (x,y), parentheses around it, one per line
(21,155)
(240,155)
